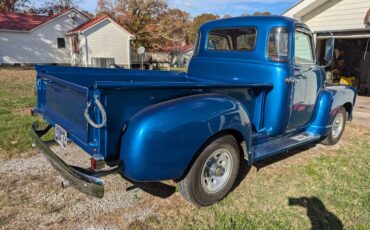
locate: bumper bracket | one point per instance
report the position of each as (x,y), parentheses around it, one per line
(77,177)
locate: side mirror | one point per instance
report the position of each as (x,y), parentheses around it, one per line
(329,51)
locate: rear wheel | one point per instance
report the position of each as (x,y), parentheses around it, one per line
(213,174)
(337,128)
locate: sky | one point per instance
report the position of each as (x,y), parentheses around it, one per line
(219,7)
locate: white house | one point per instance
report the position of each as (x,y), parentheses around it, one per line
(48,39)
(349,22)
(333,15)
(100,42)
(181,55)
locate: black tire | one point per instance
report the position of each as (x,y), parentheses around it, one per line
(332,139)
(191,186)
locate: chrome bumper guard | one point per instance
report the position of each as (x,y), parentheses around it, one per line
(79,178)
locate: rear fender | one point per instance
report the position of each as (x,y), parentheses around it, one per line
(161,141)
(331,99)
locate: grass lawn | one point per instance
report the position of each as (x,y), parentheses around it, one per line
(16,99)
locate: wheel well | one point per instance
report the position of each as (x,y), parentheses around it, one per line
(348,107)
(236,134)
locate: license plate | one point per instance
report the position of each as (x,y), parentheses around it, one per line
(61,136)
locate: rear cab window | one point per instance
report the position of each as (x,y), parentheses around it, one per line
(232,39)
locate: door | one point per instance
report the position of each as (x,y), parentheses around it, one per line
(306,80)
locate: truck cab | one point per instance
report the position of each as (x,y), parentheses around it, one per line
(273,50)
(253,89)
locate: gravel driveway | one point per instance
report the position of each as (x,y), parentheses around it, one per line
(32,197)
(361,114)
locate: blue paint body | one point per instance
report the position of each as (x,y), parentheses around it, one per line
(157,122)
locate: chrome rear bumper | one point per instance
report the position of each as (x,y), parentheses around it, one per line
(77,177)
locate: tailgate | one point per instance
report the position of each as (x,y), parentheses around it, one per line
(63,103)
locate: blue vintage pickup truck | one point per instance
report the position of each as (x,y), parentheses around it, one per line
(254,89)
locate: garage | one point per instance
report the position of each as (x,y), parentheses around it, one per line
(348,21)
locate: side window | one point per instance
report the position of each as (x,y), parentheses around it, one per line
(278,45)
(197,44)
(303,51)
(232,39)
(61,43)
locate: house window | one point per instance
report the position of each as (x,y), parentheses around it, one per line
(61,43)
(102,62)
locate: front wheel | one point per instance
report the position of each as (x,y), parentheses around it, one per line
(213,174)
(337,128)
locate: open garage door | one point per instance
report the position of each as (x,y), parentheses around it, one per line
(349,34)
(352,58)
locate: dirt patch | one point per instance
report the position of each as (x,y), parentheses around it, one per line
(16,75)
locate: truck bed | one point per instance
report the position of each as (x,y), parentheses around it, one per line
(64,92)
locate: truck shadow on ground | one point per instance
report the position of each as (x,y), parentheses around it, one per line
(319,216)
(157,189)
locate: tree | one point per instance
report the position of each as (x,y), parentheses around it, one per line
(87,13)
(197,22)
(140,17)
(13,5)
(58,6)
(173,26)
(105,7)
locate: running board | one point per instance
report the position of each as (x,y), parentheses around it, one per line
(282,144)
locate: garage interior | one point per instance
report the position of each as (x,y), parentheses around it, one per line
(351,65)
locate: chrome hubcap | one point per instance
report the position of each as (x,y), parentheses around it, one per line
(337,125)
(216,170)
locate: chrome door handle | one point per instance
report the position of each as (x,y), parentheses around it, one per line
(300,76)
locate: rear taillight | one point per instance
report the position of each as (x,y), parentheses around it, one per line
(97,162)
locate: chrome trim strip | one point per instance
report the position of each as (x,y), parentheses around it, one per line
(87,184)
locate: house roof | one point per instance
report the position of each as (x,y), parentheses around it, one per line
(27,21)
(16,21)
(93,22)
(303,7)
(291,7)
(88,24)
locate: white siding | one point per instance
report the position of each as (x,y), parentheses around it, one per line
(107,40)
(39,45)
(336,15)
(303,7)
